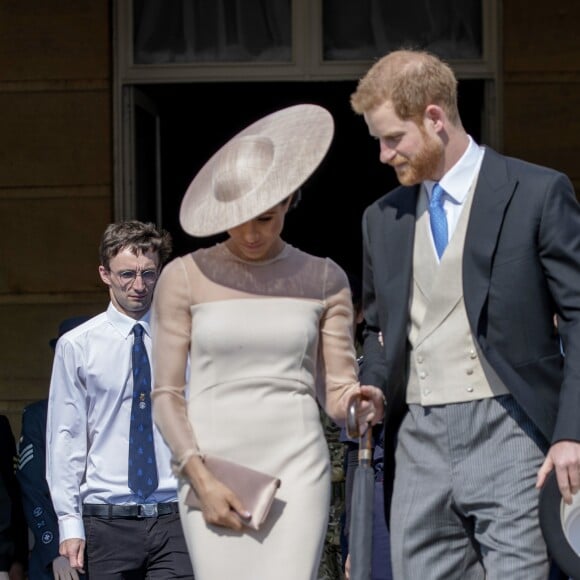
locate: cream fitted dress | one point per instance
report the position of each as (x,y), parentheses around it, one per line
(265,339)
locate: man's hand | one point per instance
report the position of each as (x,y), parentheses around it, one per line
(74,550)
(564,457)
(61,569)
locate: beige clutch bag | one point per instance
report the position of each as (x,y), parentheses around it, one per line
(255,489)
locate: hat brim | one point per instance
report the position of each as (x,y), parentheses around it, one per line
(299,138)
(550,509)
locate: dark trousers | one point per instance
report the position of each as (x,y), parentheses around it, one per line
(136,549)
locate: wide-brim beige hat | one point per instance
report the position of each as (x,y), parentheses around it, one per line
(257,169)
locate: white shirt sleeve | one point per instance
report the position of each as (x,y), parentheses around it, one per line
(66,439)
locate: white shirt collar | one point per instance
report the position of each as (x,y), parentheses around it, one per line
(457,180)
(124,324)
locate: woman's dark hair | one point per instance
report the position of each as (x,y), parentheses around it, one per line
(296,197)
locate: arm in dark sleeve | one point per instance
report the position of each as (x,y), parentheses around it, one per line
(374,371)
(31,474)
(559,249)
(18,527)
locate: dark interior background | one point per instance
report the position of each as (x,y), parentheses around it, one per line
(197,119)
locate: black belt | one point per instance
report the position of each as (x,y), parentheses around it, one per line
(142,510)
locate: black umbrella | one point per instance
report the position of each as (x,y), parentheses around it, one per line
(361,518)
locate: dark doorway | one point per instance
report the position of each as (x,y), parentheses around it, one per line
(197,119)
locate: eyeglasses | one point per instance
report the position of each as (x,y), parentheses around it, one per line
(128,277)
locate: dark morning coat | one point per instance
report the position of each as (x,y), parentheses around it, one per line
(521,265)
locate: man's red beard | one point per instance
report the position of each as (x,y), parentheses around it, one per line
(423,165)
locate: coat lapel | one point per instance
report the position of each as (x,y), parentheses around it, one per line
(492,194)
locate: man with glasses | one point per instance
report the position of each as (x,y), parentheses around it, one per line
(108,467)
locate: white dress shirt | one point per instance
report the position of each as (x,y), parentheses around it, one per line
(456,184)
(89,413)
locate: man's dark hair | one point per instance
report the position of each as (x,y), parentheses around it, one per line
(138,237)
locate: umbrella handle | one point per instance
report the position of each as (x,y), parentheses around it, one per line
(352,429)
(351,416)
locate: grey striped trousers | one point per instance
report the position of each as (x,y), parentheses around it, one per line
(464,504)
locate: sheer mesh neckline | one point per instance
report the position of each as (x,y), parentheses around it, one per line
(283,253)
(215,273)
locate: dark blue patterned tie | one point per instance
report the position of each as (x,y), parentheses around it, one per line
(142,466)
(438,219)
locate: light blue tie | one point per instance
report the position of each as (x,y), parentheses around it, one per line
(438,219)
(143,478)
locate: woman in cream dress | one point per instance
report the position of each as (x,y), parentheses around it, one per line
(266,331)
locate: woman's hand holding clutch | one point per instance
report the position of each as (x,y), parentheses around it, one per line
(219,504)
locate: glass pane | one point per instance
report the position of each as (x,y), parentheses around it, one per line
(211,31)
(368,29)
(145,143)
